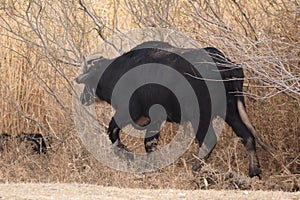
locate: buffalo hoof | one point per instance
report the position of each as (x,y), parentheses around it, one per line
(255,172)
(197,165)
(123,147)
(151,146)
(123,152)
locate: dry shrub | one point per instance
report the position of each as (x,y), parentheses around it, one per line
(36,88)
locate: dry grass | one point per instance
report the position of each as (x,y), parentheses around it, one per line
(36,97)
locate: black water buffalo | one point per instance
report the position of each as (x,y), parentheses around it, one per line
(103,74)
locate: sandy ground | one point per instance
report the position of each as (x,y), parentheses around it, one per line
(82,191)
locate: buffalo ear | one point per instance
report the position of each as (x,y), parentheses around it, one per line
(83,78)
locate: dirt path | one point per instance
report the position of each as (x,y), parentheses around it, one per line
(82,191)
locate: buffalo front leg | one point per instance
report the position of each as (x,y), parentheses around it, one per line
(114,134)
(207,140)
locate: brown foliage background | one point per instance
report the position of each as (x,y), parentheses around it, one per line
(42,44)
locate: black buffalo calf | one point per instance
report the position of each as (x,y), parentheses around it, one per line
(35,140)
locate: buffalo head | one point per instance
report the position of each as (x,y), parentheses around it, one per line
(92,71)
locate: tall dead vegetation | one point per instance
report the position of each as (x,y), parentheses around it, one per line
(43,43)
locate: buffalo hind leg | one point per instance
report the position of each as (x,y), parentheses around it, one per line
(235,121)
(150,142)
